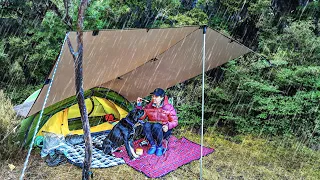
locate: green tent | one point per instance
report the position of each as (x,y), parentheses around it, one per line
(64,117)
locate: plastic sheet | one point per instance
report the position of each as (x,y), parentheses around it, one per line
(51,141)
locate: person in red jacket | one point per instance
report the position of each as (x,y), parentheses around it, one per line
(162,118)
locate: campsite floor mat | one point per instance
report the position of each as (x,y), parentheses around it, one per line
(75,155)
(180,152)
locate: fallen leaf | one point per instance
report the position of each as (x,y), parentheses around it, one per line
(11,166)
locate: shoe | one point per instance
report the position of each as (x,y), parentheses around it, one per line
(159,151)
(51,157)
(152,150)
(60,159)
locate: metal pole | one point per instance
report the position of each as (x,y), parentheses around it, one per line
(202,105)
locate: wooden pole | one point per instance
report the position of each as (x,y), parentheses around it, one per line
(78,57)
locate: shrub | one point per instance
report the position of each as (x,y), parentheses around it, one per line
(8,126)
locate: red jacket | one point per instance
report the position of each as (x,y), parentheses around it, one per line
(165,114)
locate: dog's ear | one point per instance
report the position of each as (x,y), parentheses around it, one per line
(138,114)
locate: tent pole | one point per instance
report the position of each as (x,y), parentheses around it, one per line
(202,103)
(41,112)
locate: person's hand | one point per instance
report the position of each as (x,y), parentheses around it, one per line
(165,128)
(165,112)
(139,101)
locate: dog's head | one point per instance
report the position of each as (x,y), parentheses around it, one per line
(135,115)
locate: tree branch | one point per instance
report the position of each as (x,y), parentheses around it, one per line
(74,55)
(67,18)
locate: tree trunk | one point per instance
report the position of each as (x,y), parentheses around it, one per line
(79,90)
(84,115)
(67,18)
(80,94)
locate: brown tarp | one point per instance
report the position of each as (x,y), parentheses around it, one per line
(134,62)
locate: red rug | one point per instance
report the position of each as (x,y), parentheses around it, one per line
(180,152)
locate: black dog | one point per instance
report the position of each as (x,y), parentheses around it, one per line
(122,133)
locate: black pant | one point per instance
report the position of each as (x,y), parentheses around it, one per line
(154,132)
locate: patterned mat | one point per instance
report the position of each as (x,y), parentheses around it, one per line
(180,152)
(75,155)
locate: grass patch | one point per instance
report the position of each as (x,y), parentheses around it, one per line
(247,158)
(259,158)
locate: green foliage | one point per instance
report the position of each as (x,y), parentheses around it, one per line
(300,38)
(232,6)
(8,126)
(298,42)
(189,115)
(194,17)
(4,63)
(29,58)
(258,7)
(18,94)
(97,16)
(311,9)
(281,96)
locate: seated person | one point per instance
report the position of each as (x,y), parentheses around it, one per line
(162,118)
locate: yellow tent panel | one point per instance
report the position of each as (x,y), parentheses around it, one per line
(53,124)
(109,107)
(59,123)
(98,109)
(101,127)
(123,113)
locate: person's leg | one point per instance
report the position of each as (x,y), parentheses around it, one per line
(157,133)
(147,131)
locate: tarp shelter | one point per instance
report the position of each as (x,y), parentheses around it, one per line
(133,62)
(136,61)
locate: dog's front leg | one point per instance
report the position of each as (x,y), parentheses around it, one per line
(132,149)
(129,152)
